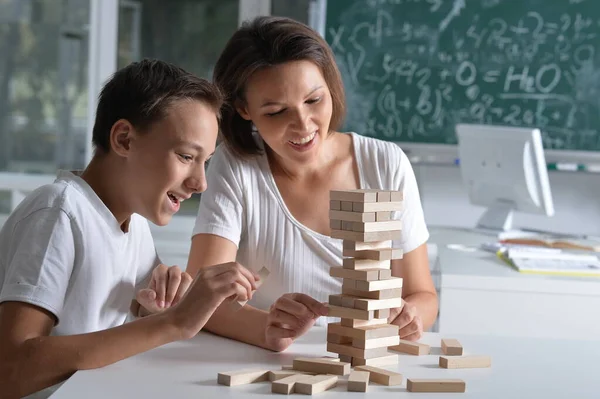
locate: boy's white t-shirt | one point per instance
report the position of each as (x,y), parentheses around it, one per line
(64,251)
(242,204)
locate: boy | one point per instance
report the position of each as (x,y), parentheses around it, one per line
(74,253)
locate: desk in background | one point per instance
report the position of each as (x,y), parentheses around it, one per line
(480,294)
(521,368)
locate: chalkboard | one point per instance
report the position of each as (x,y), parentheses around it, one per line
(412,69)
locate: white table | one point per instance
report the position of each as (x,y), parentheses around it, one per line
(481,294)
(521,368)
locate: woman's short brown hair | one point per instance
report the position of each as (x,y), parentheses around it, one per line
(261,43)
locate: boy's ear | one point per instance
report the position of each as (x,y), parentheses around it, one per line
(121,136)
(241,108)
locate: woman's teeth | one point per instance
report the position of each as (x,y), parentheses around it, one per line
(305,140)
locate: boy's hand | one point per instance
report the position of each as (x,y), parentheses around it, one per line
(166,288)
(407,318)
(290,317)
(212,286)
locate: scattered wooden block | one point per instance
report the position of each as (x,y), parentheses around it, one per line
(241,377)
(350,350)
(316,384)
(359,195)
(365,275)
(382,216)
(376,361)
(382,313)
(377,206)
(352,216)
(377,285)
(355,323)
(375,342)
(358,314)
(321,366)
(364,246)
(412,348)
(347,289)
(435,385)
(465,362)
(362,264)
(287,385)
(451,347)
(263,274)
(366,332)
(358,381)
(374,254)
(275,375)
(381,376)
(335,205)
(366,236)
(376,304)
(376,226)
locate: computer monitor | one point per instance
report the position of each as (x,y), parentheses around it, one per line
(504,169)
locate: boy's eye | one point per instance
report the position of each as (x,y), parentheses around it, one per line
(187,158)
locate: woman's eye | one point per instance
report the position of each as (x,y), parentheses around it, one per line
(276,112)
(186,158)
(314,100)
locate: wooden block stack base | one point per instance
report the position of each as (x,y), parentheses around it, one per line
(365,220)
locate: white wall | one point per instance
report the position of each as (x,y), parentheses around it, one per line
(576,201)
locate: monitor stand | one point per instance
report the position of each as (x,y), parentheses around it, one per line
(497,218)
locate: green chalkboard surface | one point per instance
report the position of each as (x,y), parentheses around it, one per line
(412,69)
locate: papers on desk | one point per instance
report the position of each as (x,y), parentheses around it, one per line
(542,260)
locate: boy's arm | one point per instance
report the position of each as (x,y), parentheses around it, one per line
(31,360)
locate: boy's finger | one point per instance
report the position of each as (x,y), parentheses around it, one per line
(147,299)
(161,285)
(173,281)
(184,285)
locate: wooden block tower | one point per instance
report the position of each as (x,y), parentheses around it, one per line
(363,219)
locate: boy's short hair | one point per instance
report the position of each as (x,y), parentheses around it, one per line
(142,93)
(261,43)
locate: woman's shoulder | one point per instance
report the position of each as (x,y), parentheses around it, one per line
(372,149)
(225,158)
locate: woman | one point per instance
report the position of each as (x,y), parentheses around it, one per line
(267,200)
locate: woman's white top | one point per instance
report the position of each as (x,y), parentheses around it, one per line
(243,204)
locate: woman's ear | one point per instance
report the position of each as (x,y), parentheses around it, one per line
(121,136)
(242,109)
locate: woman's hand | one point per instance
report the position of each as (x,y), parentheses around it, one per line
(406,317)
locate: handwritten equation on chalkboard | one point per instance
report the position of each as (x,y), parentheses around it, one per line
(412,69)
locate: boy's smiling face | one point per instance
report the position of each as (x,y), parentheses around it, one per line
(166,163)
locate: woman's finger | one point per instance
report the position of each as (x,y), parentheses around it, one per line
(173,281)
(160,278)
(281,317)
(184,285)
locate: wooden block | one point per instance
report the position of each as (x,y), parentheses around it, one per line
(377,206)
(349,350)
(451,347)
(362,264)
(384,196)
(381,294)
(358,381)
(366,275)
(412,348)
(376,361)
(360,195)
(338,339)
(381,216)
(347,313)
(321,366)
(287,385)
(344,358)
(335,205)
(347,226)
(394,282)
(465,362)
(396,196)
(374,254)
(355,323)
(316,384)
(375,342)
(385,274)
(381,376)
(345,301)
(435,385)
(361,246)
(352,216)
(376,226)
(346,206)
(335,224)
(382,313)
(275,375)
(263,274)
(366,237)
(375,304)
(241,377)
(365,332)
